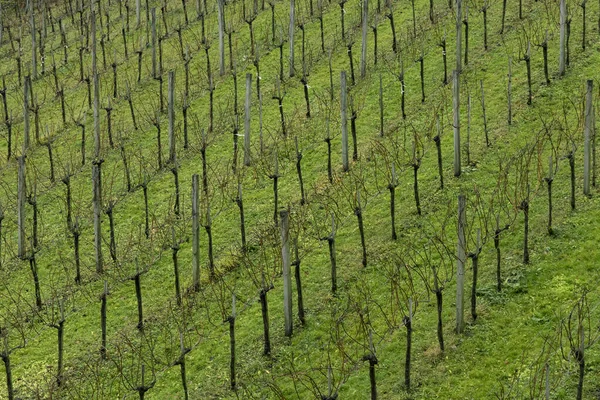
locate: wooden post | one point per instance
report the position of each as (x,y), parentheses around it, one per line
(275,177)
(475,262)
(221,6)
(571,157)
(154,67)
(587,132)
(594,173)
(138,8)
(26,85)
(381,127)
(96,109)
(468,144)
(460,264)
(456,113)
(583,8)
(247,159)
(33,42)
(365,26)
(392,188)
(195,233)
(466,23)
(287,277)
(1,219)
(344,112)
(458,35)
(291,37)
(563,37)
(97,200)
(527,59)
(509,90)
(549,180)
(231,321)
(171,105)
(260,122)
(21,207)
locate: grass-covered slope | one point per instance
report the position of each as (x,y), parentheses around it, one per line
(505,352)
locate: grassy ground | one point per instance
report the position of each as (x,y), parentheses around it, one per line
(498,351)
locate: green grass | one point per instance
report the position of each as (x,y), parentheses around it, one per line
(502,344)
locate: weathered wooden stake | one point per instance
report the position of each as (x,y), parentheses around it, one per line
(459,36)
(460,264)
(221,11)
(195,233)
(247,153)
(509,90)
(563,37)
(97,200)
(549,179)
(154,65)
(365,26)
(287,277)
(171,100)
(587,134)
(466,23)
(291,37)
(21,197)
(344,112)
(456,114)
(392,188)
